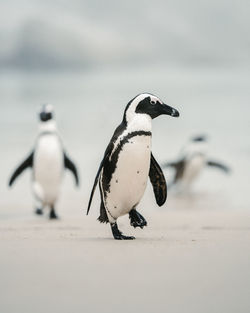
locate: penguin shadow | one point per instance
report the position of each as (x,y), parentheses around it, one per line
(116,242)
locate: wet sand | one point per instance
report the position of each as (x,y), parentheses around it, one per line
(184,261)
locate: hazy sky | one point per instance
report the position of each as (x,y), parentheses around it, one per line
(66,34)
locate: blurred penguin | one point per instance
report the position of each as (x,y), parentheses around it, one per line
(193,159)
(47,161)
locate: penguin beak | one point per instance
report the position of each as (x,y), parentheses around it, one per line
(168,110)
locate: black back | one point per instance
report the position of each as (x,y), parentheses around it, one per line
(109,166)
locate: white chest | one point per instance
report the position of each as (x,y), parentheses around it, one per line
(48,160)
(129,180)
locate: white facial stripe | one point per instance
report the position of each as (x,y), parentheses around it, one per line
(155,99)
(131,110)
(47,108)
(135,121)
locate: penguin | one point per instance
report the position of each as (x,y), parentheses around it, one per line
(127,163)
(193,159)
(47,160)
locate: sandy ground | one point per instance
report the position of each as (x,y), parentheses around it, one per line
(184,261)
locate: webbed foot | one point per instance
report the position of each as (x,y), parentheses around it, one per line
(136,219)
(118,234)
(52,215)
(39,211)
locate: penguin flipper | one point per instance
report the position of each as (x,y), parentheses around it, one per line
(158,181)
(179,170)
(103,218)
(71,166)
(223,167)
(106,155)
(28,162)
(169,164)
(179,167)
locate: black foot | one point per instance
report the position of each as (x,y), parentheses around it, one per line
(136,219)
(39,211)
(53,215)
(118,234)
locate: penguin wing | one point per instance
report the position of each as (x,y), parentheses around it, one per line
(158,181)
(28,162)
(71,166)
(106,155)
(179,167)
(169,164)
(223,167)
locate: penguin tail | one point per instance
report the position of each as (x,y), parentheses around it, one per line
(102,220)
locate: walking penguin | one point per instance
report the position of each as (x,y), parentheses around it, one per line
(47,161)
(193,159)
(127,163)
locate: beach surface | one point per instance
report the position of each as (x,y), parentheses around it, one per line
(184,261)
(194,255)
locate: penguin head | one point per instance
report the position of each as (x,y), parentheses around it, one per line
(149,104)
(197,145)
(46,113)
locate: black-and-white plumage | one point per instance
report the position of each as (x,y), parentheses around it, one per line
(47,161)
(127,163)
(193,159)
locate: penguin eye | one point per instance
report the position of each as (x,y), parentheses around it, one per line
(152,102)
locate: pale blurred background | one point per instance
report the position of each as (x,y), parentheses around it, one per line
(88,59)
